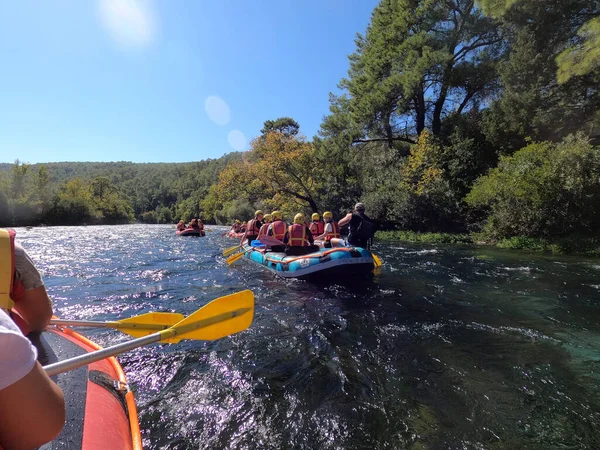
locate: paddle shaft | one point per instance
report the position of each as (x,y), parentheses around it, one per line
(88,358)
(96,324)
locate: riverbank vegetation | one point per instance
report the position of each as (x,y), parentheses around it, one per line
(455,117)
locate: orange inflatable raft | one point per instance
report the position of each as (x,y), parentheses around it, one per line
(101,411)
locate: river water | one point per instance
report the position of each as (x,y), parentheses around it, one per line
(445,347)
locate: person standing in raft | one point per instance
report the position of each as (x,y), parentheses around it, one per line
(253,227)
(361,227)
(331,230)
(298,238)
(316,227)
(27,301)
(265,226)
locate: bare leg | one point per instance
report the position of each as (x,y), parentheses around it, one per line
(335,242)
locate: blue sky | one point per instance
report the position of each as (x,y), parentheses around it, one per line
(165,81)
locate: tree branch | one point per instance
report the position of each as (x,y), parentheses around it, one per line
(397,138)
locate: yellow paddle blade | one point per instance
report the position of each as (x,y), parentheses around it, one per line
(231,250)
(146,324)
(376,259)
(221,317)
(235,257)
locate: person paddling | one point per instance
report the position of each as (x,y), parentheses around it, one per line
(32,406)
(25,298)
(331,230)
(361,227)
(235,228)
(253,227)
(316,227)
(298,238)
(265,226)
(277,229)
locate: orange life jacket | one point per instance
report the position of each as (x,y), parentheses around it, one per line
(335,233)
(252,227)
(278,229)
(316,228)
(263,230)
(11,289)
(297,236)
(7,265)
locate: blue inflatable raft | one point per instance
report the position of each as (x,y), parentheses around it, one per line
(325,262)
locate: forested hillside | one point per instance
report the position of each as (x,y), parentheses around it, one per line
(120,192)
(454,116)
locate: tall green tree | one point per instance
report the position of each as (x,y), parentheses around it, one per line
(539,98)
(418,61)
(284,125)
(582,53)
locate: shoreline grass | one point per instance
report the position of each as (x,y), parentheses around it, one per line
(569,245)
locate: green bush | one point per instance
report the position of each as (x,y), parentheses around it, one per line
(426,238)
(543,190)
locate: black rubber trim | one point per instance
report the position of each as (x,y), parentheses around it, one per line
(51,348)
(104,380)
(325,258)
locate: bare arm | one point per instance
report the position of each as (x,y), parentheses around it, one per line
(309,236)
(345,221)
(35,308)
(32,411)
(326,229)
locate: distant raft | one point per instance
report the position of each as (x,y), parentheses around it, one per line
(325,262)
(191,232)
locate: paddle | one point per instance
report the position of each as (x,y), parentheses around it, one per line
(136,326)
(237,256)
(270,240)
(376,260)
(231,250)
(221,317)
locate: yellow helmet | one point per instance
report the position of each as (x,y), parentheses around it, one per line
(315,216)
(327,215)
(276,215)
(299,218)
(237,221)
(267,218)
(257,212)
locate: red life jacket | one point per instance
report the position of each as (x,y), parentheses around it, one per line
(252,227)
(316,228)
(335,233)
(297,236)
(263,230)
(278,229)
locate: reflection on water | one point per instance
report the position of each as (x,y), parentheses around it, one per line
(445,347)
